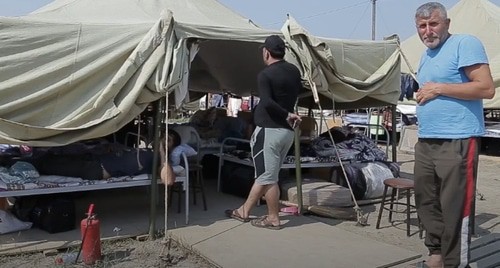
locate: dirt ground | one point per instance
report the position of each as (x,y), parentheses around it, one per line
(127,253)
(487,219)
(134,253)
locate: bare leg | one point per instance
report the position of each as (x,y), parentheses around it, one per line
(167,174)
(271,193)
(435,261)
(272,201)
(255,194)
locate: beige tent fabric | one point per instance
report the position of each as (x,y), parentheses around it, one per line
(194,12)
(477,17)
(65,82)
(81,69)
(75,70)
(354,73)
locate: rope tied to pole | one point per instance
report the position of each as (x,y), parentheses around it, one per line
(361,218)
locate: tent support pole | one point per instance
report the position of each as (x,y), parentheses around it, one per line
(394,134)
(298,170)
(154,172)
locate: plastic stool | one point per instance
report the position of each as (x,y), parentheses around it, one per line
(398,184)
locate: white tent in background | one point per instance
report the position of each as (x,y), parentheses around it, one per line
(81,69)
(478,17)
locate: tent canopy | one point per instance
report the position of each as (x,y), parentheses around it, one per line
(477,17)
(353,73)
(81,69)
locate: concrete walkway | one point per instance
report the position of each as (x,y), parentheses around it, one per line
(304,242)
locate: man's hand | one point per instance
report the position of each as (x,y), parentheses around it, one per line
(428,92)
(293,120)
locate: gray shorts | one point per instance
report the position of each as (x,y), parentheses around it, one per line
(269,149)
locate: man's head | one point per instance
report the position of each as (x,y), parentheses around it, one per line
(432,24)
(273,49)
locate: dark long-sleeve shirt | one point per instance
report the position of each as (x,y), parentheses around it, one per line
(278,88)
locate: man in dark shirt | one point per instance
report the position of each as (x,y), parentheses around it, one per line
(278,87)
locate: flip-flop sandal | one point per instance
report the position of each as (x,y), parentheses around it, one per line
(233,214)
(264,223)
(420,264)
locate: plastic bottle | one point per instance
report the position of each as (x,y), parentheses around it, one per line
(67,258)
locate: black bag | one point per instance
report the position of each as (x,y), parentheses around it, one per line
(23,207)
(393,166)
(363,187)
(54,215)
(237,179)
(210,165)
(354,175)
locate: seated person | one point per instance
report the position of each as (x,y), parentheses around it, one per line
(174,148)
(167,174)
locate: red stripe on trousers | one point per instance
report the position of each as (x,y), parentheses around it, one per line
(469,184)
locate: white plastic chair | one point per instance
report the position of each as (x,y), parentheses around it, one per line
(189,135)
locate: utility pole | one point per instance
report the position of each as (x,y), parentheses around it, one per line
(374,11)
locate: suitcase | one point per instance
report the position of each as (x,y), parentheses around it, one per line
(54,216)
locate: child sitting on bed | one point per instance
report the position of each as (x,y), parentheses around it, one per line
(167,174)
(175,150)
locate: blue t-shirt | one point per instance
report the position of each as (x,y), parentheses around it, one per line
(446,117)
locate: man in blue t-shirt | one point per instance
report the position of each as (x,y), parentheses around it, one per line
(454,77)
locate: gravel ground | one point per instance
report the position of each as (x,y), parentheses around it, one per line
(127,253)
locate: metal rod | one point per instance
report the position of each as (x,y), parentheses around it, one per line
(298,170)
(394,134)
(374,14)
(154,172)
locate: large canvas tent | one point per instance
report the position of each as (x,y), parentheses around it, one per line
(352,73)
(478,17)
(80,69)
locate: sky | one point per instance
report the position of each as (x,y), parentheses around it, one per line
(345,19)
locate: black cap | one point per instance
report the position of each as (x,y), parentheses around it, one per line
(275,45)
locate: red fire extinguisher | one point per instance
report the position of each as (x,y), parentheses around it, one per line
(91,238)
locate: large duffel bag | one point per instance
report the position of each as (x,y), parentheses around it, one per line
(54,215)
(237,179)
(356,179)
(366,178)
(210,165)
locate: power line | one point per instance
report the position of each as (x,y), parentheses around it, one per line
(359,20)
(323,13)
